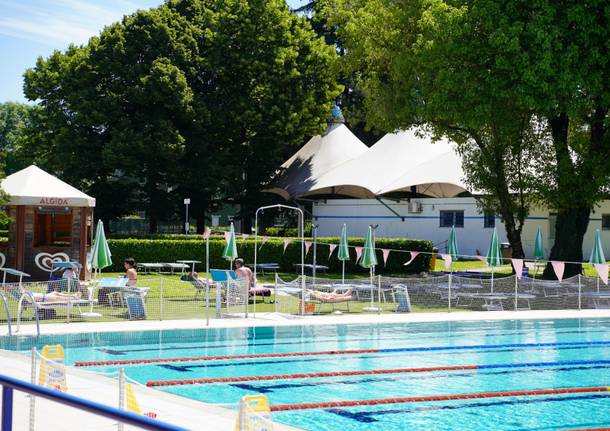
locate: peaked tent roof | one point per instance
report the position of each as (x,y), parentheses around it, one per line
(33,186)
(319,155)
(397,162)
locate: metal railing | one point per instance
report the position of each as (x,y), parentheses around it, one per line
(10,384)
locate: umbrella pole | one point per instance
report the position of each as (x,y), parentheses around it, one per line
(342,272)
(492,279)
(372,291)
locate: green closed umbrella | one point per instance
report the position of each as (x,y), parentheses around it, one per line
(452,247)
(494,257)
(597,253)
(343,253)
(538,246)
(369,260)
(101,257)
(230,251)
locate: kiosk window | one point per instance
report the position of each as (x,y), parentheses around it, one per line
(52,228)
(452,218)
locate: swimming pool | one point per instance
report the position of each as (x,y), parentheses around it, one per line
(422,376)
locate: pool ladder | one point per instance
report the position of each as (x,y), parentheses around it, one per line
(24,296)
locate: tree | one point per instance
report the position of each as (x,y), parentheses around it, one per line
(449,67)
(198,99)
(15,119)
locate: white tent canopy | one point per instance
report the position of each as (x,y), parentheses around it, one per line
(397,162)
(319,155)
(33,186)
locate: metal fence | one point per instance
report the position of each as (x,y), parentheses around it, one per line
(173,297)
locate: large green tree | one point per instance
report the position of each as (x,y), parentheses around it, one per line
(196,98)
(15,120)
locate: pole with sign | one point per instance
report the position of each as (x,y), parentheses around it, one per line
(187,201)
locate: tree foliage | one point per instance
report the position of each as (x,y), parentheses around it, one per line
(196,98)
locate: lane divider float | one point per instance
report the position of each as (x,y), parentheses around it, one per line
(430,398)
(336,352)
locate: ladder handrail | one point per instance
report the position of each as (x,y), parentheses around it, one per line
(8,313)
(34,306)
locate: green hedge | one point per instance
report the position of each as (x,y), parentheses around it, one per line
(271,251)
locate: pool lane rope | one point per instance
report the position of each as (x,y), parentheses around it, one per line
(234,379)
(431,398)
(334,352)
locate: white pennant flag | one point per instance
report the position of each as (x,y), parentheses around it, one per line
(307,247)
(206,232)
(331,248)
(559,267)
(518,265)
(358,253)
(447,259)
(386,253)
(286,243)
(414,254)
(602,271)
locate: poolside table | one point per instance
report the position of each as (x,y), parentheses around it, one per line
(190,262)
(309,267)
(174,266)
(148,267)
(262,267)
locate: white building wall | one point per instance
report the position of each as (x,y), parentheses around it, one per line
(358,214)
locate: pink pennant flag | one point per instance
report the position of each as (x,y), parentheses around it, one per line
(558,267)
(264,240)
(482,258)
(307,247)
(331,248)
(447,259)
(227,236)
(358,253)
(518,265)
(414,254)
(602,271)
(286,243)
(385,253)
(206,232)
(245,236)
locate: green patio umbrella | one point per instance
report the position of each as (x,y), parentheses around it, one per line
(597,253)
(343,253)
(452,247)
(369,260)
(538,246)
(230,251)
(101,257)
(494,257)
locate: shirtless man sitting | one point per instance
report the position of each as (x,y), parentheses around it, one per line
(243,272)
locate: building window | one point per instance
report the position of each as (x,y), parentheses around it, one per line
(52,227)
(452,218)
(489,221)
(605,221)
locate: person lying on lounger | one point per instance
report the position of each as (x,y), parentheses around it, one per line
(330,296)
(56,297)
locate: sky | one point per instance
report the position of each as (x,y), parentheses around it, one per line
(33,28)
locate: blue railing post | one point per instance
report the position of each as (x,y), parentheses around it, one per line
(7,408)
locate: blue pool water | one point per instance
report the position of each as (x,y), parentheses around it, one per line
(511,355)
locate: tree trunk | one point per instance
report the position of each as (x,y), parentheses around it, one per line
(570,230)
(200,219)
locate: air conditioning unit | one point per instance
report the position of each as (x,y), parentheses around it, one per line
(415,207)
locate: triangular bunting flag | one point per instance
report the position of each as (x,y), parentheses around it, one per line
(518,266)
(358,253)
(245,236)
(263,241)
(414,254)
(558,267)
(307,247)
(286,244)
(447,259)
(386,253)
(481,258)
(206,232)
(331,248)
(602,271)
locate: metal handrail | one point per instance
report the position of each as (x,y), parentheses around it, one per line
(28,295)
(8,313)
(9,384)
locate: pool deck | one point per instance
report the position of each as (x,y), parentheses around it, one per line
(274,319)
(189,413)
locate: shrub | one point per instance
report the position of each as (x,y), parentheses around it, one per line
(163,250)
